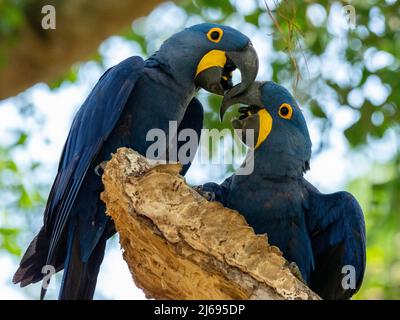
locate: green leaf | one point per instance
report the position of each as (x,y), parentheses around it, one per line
(22,139)
(254,17)
(317,110)
(25,200)
(70,76)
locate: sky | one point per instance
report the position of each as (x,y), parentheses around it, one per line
(330,170)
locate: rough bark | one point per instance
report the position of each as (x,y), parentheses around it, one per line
(178,245)
(44,55)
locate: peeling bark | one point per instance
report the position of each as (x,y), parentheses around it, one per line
(81,25)
(180,246)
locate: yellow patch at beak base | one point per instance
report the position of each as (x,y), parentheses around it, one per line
(265,126)
(214,58)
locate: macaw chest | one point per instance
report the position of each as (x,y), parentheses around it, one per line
(276,209)
(269,206)
(267,199)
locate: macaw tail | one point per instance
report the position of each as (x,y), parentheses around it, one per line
(32,263)
(80,277)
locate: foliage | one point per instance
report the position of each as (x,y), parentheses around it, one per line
(331,68)
(17,195)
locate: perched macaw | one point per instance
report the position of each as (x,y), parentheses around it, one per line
(128,101)
(324,234)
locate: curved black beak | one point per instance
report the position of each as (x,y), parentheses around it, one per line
(248,120)
(247,62)
(248,96)
(216,77)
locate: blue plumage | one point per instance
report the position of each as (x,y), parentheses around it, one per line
(320,233)
(129,100)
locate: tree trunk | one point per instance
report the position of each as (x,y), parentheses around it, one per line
(81,25)
(178,245)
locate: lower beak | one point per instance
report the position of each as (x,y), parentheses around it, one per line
(214,72)
(249,96)
(212,81)
(254,129)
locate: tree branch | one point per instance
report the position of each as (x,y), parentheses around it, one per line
(81,25)
(180,246)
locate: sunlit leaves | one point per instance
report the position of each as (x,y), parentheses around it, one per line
(12,17)
(301,32)
(316,109)
(253,18)
(138,38)
(8,240)
(19,197)
(379,198)
(70,76)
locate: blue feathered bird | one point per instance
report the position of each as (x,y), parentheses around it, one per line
(128,101)
(324,234)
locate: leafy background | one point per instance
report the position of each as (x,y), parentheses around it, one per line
(344,78)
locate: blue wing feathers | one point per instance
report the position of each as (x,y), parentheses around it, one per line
(90,128)
(336,224)
(192,119)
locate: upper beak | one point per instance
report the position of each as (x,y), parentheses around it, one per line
(247,62)
(251,95)
(214,72)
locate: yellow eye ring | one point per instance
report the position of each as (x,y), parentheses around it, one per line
(215,35)
(285,111)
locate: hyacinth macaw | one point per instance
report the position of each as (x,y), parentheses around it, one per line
(128,101)
(324,234)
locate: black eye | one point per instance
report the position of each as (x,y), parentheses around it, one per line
(214,35)
(284,111)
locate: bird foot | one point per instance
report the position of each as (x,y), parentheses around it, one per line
(209,196)
(296,271)
(101,167)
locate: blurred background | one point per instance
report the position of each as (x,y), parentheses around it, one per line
(344,72)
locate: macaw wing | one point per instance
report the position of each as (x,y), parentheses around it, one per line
(91,127)
(192,120)
(337,229)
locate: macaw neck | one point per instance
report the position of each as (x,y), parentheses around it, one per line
(280,158)
(175,89)
(274,164)
(179,71)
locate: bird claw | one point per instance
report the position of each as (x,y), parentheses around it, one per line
(101,166)
(209,196)
(296,271)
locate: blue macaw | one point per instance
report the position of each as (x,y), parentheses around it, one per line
(128,101)
(321,233)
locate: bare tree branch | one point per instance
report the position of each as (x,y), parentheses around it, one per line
(81,25)
(180,246)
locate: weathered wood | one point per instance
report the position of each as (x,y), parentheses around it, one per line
(180,246)
(81,25)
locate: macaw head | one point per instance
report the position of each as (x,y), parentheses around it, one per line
(206,55)
(281,141)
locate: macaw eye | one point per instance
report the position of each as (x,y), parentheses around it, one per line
(285,111)
(215,35)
